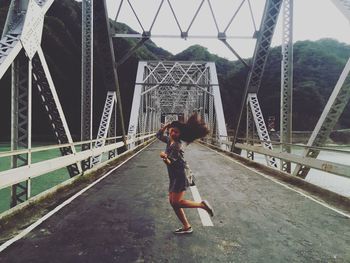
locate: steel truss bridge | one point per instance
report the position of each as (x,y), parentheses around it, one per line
(164,91)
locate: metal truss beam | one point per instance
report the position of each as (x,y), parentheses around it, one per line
(23,29)
(329,118)
(10,46)
(261,126)
(136,102)
(219,110)
(170,36)
(21,111)
(87,78)
(250,130)
(132,51)
(286,83)
(184,33)
(43,82)
(171,117)
(105,123)
(343,6)
(106,54)
(265,34)
(112,133)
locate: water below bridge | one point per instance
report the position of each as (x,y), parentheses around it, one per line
(127,218)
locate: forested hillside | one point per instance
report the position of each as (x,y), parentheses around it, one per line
(317,68)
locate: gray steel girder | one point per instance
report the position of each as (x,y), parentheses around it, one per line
(106,53)
(50,104)
(329,118)
(263,133)
(107,116)
(87,78)
(265,34)
(286,83)
(20,122)
(343,6)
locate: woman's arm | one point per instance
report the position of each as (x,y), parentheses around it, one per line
(160,134)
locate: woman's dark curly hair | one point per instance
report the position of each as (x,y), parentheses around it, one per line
(191,130)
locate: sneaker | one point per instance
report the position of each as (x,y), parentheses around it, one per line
(208,207)
(181,231)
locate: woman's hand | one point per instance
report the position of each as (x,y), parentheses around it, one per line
(163,155)
(165,158)
(166,126)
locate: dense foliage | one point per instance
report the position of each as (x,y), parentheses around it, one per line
(317,68)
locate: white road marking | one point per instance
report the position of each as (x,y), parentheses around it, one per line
(282,184)
(59,207)
(204,216)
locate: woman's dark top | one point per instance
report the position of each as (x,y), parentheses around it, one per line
(176,169)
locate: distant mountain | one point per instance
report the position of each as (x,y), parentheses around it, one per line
(317,68)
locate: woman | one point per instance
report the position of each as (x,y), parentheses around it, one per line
(173,157)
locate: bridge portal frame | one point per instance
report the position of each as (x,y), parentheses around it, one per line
(176,87)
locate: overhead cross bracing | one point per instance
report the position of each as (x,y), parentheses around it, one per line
(189,24)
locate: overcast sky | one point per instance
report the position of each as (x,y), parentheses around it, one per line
(313,19)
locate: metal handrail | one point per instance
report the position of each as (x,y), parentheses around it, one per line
(322,165)
(57,146)
(15,175)
(298,145)
(287,144)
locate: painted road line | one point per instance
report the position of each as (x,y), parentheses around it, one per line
(204,216)
(59,207)
(282,184)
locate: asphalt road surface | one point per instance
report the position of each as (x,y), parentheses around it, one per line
(127,218)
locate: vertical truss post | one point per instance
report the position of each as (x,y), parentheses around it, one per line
(152,113)
(145,112)
(149,113)
(211,113)
(21,110)
(329,118)
(250,131)
(205,110)
(219,110)
(135,113)
(261,127)
(87,78)
(104,128)
(286,83)
(112,132)
(202,104)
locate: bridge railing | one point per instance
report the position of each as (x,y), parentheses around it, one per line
(255,146)
(10,176)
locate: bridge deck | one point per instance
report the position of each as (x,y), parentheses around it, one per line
(127,218)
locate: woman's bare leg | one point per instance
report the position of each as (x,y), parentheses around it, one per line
(180,213)
(183,203)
